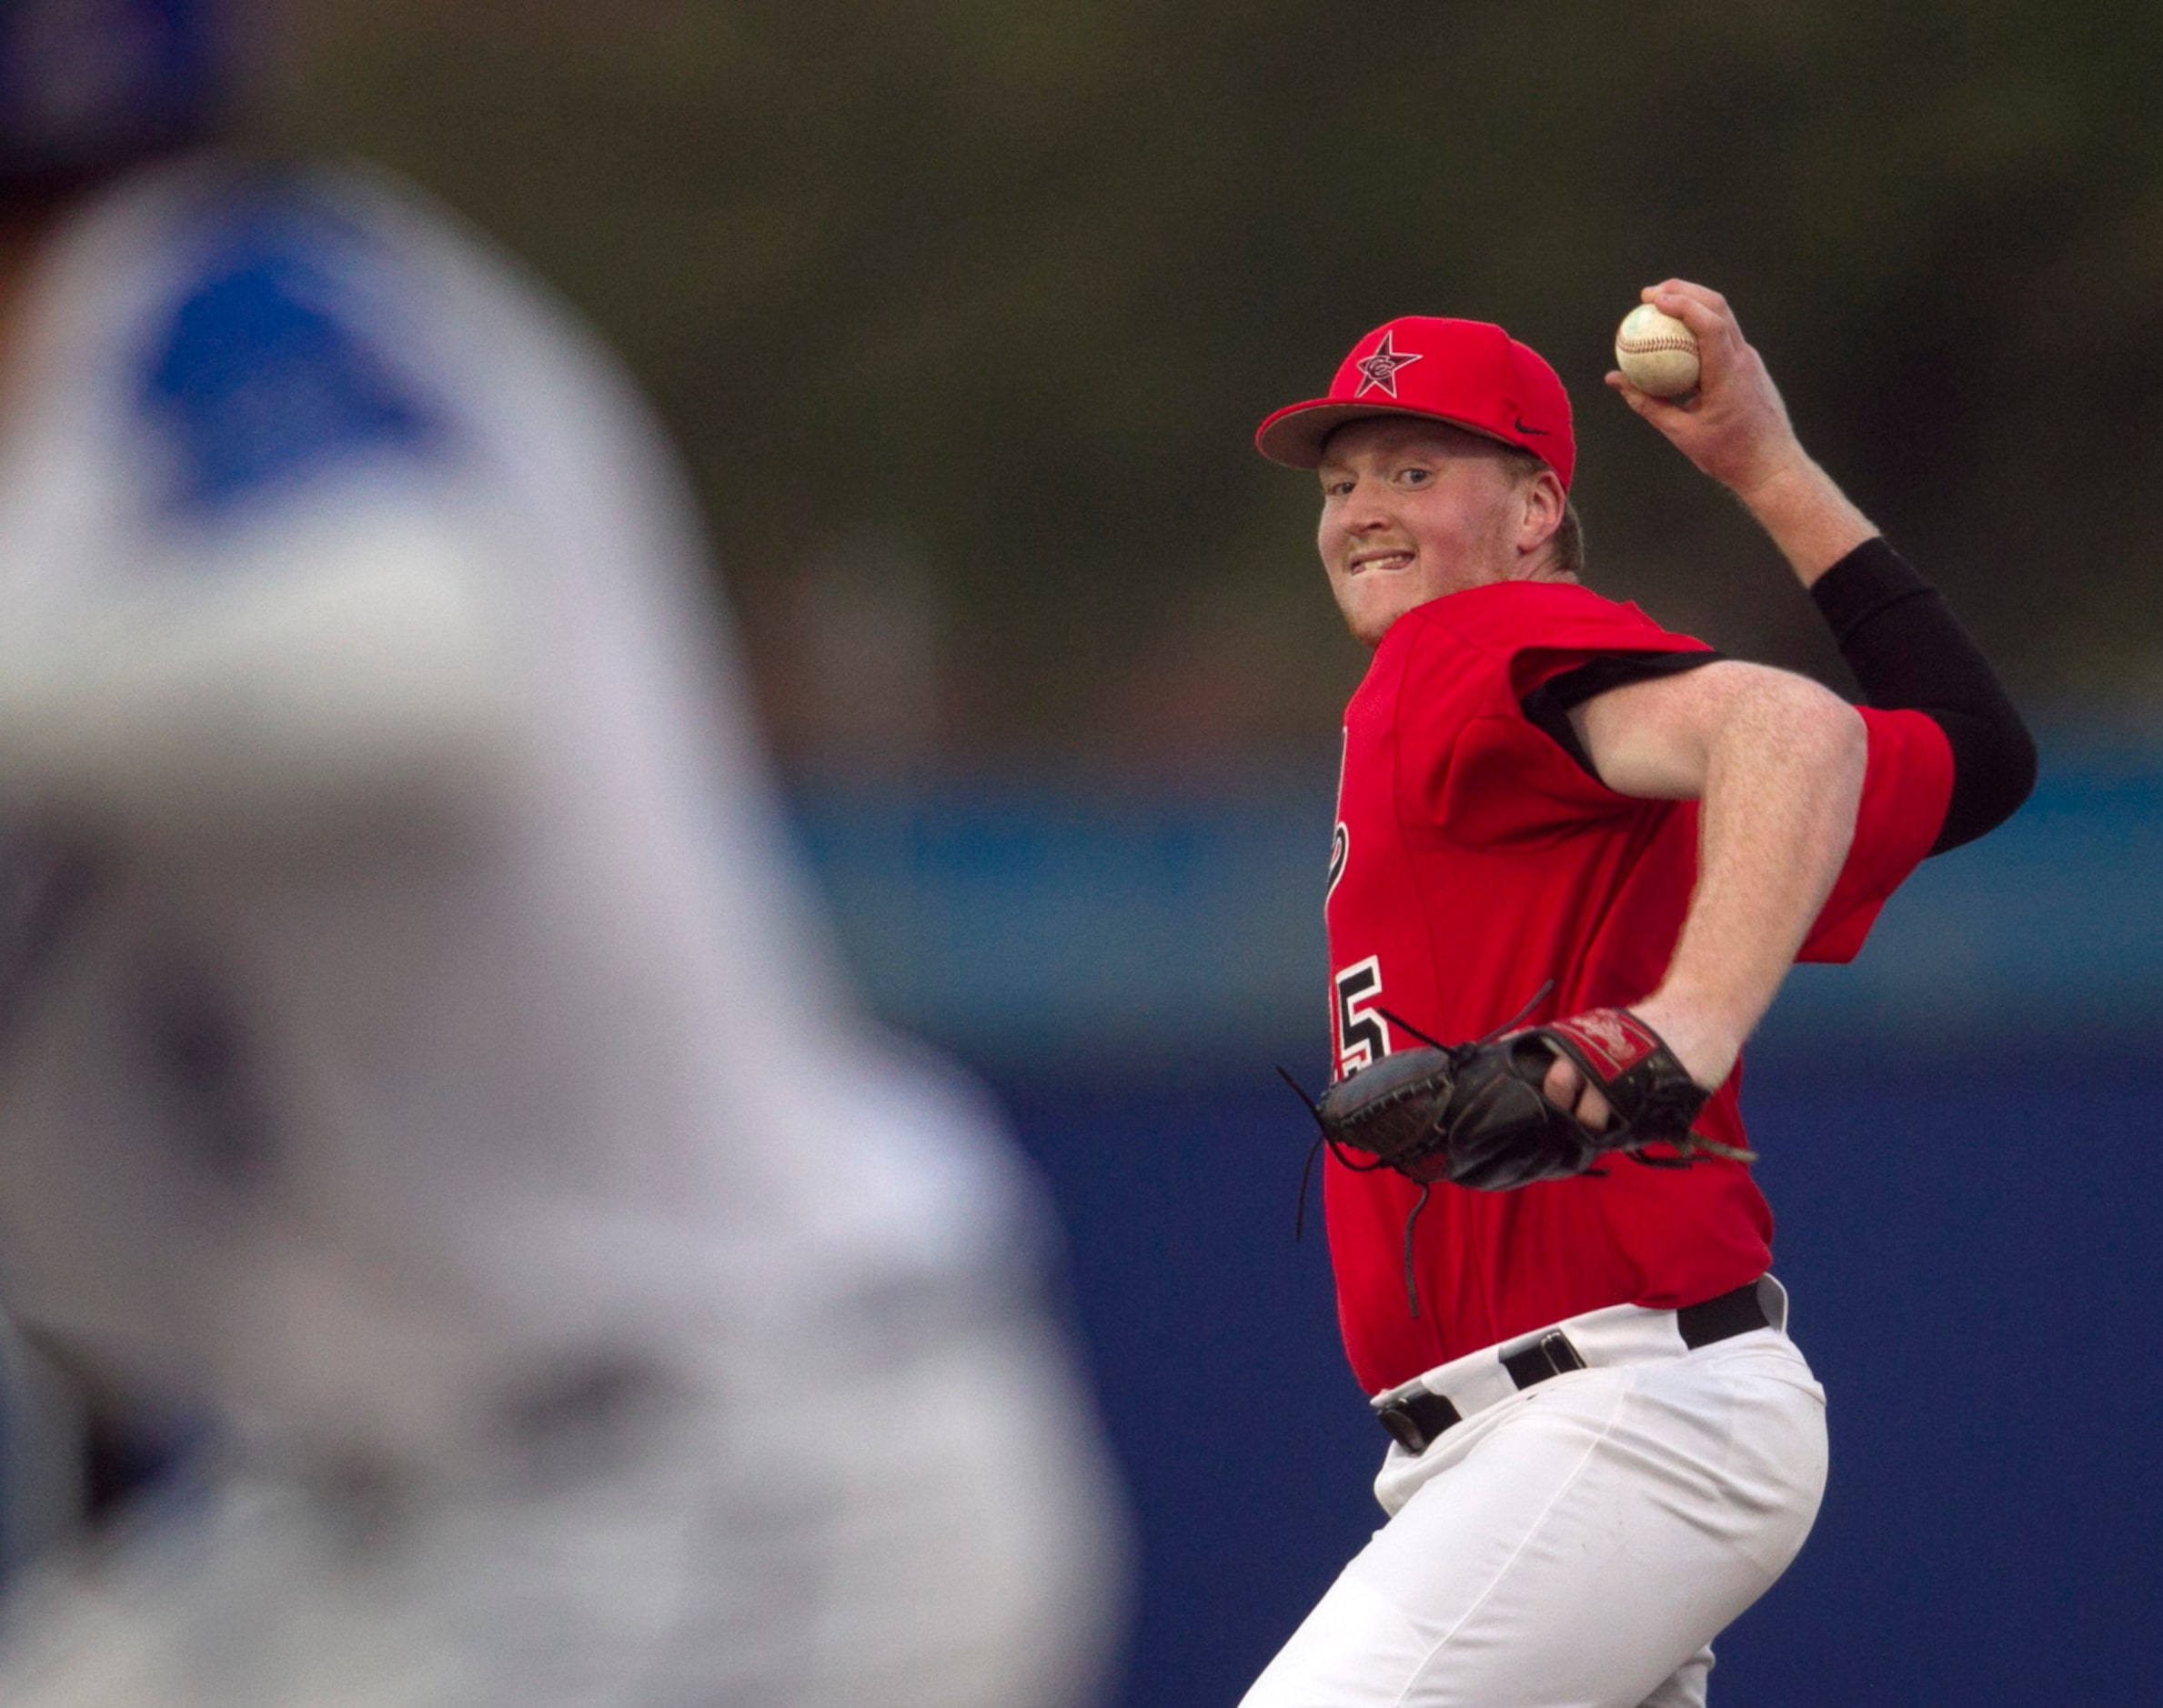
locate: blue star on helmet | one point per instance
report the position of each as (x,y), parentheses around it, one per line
(1380,369)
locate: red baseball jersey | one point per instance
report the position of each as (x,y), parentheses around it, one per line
(1474,860)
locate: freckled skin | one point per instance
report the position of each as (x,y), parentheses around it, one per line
(1415,510)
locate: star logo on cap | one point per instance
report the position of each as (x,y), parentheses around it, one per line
(1379,371)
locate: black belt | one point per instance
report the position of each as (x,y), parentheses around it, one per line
(1414,1422)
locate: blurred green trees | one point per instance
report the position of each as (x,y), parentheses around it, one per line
(964,310)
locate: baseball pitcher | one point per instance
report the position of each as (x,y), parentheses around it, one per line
(1574,854)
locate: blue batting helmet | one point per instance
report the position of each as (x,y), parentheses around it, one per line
(86,86)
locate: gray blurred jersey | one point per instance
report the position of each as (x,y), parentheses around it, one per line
(405,997)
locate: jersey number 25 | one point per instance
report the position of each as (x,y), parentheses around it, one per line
(1362,1036)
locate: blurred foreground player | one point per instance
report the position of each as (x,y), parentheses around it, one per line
(1555,813)
(416,1055)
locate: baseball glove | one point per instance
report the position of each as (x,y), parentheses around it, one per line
(1474,1115)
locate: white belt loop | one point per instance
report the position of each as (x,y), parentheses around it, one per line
(1773,1299)
(1481,1383)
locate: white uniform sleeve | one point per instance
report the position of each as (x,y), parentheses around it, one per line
(339,663)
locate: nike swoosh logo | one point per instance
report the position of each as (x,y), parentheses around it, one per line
(1541,432)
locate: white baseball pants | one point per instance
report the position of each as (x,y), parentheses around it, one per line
(1577,1544)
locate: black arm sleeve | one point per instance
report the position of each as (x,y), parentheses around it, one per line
(1909,653)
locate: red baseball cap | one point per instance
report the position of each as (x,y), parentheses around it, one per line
(1469,373)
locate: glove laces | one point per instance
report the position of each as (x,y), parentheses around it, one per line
(1321,1135)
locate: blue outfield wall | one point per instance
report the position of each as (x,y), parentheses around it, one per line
(1960,1138)
(1979,1311)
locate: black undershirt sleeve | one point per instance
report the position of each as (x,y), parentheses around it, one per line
(1910,653)
(1547,707)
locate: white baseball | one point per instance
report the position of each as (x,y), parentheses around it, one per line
(1656,353)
